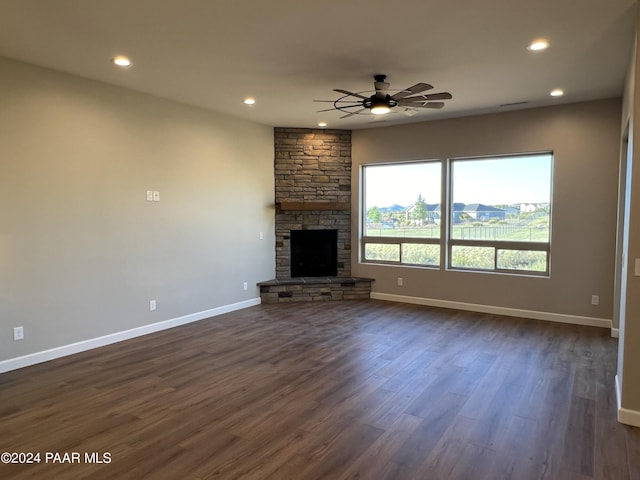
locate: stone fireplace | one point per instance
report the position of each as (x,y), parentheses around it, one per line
(312,192)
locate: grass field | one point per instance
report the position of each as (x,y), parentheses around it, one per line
(515,232)
(475,257)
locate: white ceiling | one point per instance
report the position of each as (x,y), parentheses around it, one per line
(286,53)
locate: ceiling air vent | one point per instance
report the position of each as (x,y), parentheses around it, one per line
(514,104)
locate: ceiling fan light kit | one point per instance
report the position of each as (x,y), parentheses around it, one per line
(381,103)
(379,107)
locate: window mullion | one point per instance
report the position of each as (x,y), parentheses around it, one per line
(445,210)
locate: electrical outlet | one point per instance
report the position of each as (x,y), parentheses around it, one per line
(400,281)
(245,286)
(149,196)
(152,305)
(595,300)
(261,235)
(18,333)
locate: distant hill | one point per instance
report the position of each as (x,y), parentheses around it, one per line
(395,208)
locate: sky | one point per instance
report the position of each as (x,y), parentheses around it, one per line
(491,181)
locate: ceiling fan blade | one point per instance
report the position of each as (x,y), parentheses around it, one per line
(422,99)
(412,101)
(439,96)
(346,92)
(326,110)
(354,102)
(409,111)
(353,113)
(355,105)
(417,88)
(422,105)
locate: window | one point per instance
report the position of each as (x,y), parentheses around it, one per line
(402,213)
(500,213)
(497,216)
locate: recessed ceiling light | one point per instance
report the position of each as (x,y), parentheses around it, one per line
(249,101)
(322,124)
(557,92)
(121,61)
(538,45)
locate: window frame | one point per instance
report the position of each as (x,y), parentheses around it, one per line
(496,244)
(446,242)
(500,245)
(389,240)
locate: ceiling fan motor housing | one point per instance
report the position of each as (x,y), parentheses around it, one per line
(375,100)
(381,87)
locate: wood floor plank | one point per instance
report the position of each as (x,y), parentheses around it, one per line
(391,404)
(437,419)
(375,458)
(633,451)
(580,437)
(444,457)
(334,390)
(515,450)
(474,462)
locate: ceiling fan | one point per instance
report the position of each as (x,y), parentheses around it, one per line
(380,103)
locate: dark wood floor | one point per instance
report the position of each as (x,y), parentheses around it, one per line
(337,390)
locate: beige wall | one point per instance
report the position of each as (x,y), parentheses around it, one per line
(585,140)
(81,250)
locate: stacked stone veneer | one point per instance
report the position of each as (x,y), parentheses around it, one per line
(312,166)
(312,169)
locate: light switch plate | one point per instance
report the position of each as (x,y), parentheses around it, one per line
(18,333)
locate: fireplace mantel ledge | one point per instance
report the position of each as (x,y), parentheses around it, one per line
(313,205)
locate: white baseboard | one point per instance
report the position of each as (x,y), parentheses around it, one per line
(615,333)
(63,351)
(512,312)
(626,416)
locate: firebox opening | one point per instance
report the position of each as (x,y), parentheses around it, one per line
(314,253)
